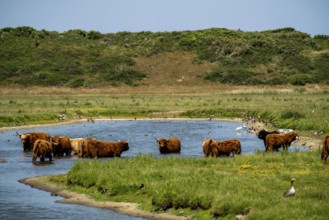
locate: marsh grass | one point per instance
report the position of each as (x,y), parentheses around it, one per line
(252,185)
(301,111)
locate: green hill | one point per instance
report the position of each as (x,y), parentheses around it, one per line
(78,58)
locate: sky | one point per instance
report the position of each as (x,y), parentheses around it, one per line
(111,16)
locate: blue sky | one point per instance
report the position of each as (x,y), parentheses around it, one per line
(108,16)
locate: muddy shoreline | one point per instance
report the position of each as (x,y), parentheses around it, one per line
(70,197)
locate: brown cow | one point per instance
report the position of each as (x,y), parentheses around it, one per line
(218,148)
(42,149)
(95,148)
(325,149)
(28,139)
(227,147)
(275,141)
(61,146)
(169,145)
(210,148)
(263,133)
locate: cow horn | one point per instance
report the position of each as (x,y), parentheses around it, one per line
(156,139)
(18,133)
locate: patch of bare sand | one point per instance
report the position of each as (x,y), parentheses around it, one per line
(71,197)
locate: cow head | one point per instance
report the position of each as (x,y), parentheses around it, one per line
(56,140)
(25,138)
(262,134)
(162,142)
(125,145)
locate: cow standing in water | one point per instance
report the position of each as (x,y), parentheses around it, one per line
(42,149)
(61,146)
(169,145)
(28,139)
(218,148)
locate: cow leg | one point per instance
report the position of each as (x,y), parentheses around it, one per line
(284,147)
(324,156)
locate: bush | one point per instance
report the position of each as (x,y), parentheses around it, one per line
(299,79)
(94,35)
(231,75)
(44,78)
(292,114)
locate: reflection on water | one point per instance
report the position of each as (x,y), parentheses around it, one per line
(19,201)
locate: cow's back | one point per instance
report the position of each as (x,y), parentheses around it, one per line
(34,136)
(174,145)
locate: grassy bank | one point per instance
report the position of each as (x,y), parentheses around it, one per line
(296,107)
(205,187)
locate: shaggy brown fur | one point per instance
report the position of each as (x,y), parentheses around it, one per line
(210,148)
(227,147)
(28,139)
(42,149)
(275,141)
(325,149)
(263,133)
(217,148)
(169,145)
(61,146)
(95,148)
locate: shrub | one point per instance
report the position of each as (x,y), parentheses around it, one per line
(231,75)
(292,114)
(299,79)
(94,35)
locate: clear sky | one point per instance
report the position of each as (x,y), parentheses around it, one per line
(108,16)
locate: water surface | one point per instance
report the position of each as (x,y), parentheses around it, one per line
(19,201)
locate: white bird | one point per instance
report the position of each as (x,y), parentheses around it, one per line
(292,190)
(241,128)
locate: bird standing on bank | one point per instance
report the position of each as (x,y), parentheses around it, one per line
(292,190)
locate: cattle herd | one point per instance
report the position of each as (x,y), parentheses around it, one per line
(44,145)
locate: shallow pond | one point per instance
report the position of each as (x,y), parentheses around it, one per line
(19,201)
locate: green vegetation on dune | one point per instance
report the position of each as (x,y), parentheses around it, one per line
(78,58)
(252,185)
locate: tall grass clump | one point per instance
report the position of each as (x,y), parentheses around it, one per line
(251,185)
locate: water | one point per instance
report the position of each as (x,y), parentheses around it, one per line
(19,201)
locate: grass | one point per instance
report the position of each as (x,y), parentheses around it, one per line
(205,187)
(298,108)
